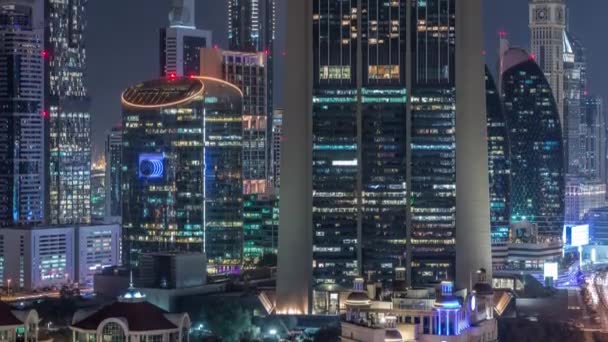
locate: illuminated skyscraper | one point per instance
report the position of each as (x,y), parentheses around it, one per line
(248,71)
(547,34)
(113,156)
(381,174)
(98,192)
(181,42)
(70,120)
(575,89)
(22,124)
(498,163)
(535,136)
(252,28)
(181,169)
(593,138)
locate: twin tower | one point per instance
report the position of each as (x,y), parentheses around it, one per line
(363,185)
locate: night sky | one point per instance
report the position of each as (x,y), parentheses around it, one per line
(122,44)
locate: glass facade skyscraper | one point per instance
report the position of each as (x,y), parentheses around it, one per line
(359,145)
(113,156)
(68,107)
(498,163)
(22,121)
(535,135)
(370,147)
(181,173)
(433,140)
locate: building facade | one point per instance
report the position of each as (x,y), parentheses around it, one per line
(260,225)
(249,72)
(381,197)
(181,42)
(275,155)
(98,192)
(46,256)
(547,20)
(575,93)
(181,169)
(535,135)
(582,195)
(68,107)
(498,163)
(22,114)
(113,157)
(130,318)
(593,138)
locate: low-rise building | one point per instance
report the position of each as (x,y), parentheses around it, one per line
(526,249)
(18,325)
(423,314)
(49,256)
(130,318)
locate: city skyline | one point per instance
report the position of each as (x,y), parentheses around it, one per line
(115,61)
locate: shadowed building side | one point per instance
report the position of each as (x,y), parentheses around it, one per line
(295,222)
(473,249)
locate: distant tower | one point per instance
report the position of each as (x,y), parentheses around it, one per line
(535,137)
(182,13)
(547,34)
(22,122)
(181,42)
(113,156)
(68,106)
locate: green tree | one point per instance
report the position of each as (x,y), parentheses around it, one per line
(231,323)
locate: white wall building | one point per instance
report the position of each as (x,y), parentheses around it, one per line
(34,258)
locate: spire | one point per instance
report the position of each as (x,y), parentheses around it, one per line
(182,13)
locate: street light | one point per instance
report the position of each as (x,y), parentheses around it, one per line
(8,287)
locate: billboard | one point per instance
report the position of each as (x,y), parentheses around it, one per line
(551,270)
(151,166)
(576,236)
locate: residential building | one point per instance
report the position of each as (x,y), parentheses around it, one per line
(22,114)
(182,170)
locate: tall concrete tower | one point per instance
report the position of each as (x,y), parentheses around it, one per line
(547,30)
(182,13)
(473,249)
(294,276)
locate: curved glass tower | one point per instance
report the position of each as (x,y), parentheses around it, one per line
(181,173)
(498,162)
(537,156)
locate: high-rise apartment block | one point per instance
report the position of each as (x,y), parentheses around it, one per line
(22,114)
